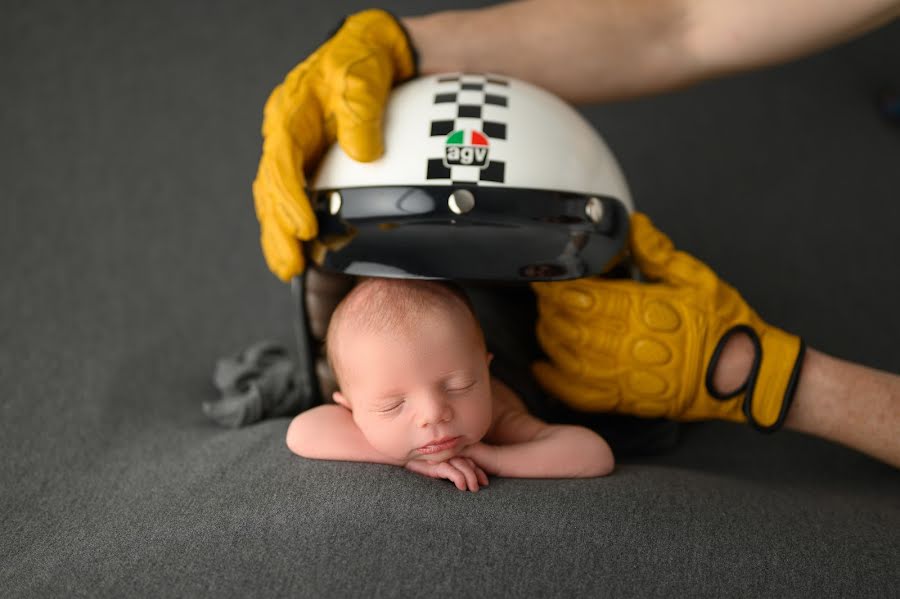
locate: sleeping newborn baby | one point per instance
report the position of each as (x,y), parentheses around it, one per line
(415,391)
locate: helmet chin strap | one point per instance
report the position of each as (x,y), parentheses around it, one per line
(306,368)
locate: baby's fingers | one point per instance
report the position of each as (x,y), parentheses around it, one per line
(438,470)
(460,472)
(479,473)
(482,476)
(450,473)
(462,464)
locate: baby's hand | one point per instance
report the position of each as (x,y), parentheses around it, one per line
(462,471)
(484,455)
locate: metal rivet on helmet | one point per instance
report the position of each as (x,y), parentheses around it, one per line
(594,210)
(461,201)
(552,202)
(334,202)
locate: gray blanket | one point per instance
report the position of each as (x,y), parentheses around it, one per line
(129,136)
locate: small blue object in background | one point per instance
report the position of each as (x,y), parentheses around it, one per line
(888,101)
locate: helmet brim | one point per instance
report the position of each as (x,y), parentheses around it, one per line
(507,234)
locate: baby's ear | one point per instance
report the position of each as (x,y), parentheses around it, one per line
(490,358)
(339,399)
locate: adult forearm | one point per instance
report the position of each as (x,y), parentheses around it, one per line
(850,404)
(725,36)
(563,452)
(582,50)
(593,50)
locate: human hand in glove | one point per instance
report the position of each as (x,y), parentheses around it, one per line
(651,349)
(338,92)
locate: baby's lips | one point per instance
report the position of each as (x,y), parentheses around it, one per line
(446,445)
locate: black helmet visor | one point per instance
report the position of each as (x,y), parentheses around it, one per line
(467,232)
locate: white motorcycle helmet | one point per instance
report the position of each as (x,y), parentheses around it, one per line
(483,177)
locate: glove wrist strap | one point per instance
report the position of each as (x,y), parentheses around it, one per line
(766,395)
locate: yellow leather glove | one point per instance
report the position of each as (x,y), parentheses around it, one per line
(649,349)
(338,92)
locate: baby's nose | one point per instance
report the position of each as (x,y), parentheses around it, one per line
(435,408)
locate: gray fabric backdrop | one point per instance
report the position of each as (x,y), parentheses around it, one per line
(129,136)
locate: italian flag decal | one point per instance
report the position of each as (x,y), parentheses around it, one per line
(466,147)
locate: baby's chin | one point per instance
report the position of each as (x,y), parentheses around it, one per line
(443,456)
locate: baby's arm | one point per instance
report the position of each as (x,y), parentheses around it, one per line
(558,451)
(522,446)
(328,432)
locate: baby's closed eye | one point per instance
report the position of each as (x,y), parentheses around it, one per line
(389,406)
(459,387)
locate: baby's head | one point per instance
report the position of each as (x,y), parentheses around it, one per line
(412,365)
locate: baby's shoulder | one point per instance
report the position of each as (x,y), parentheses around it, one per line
(504,399)
(510,422)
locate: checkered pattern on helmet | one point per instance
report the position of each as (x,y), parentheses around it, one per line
(461,100)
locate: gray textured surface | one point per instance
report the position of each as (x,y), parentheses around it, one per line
(129,135)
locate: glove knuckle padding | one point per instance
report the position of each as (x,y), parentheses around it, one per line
(590,396)
(556,324)
(646,349)
(560,352)
(658,332)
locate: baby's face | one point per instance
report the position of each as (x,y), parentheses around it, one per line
(409,388)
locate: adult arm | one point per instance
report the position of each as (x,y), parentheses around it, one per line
(837,400)
(653,349)
(850,404)
(593,50)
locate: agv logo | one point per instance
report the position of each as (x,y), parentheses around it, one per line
(466,147)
